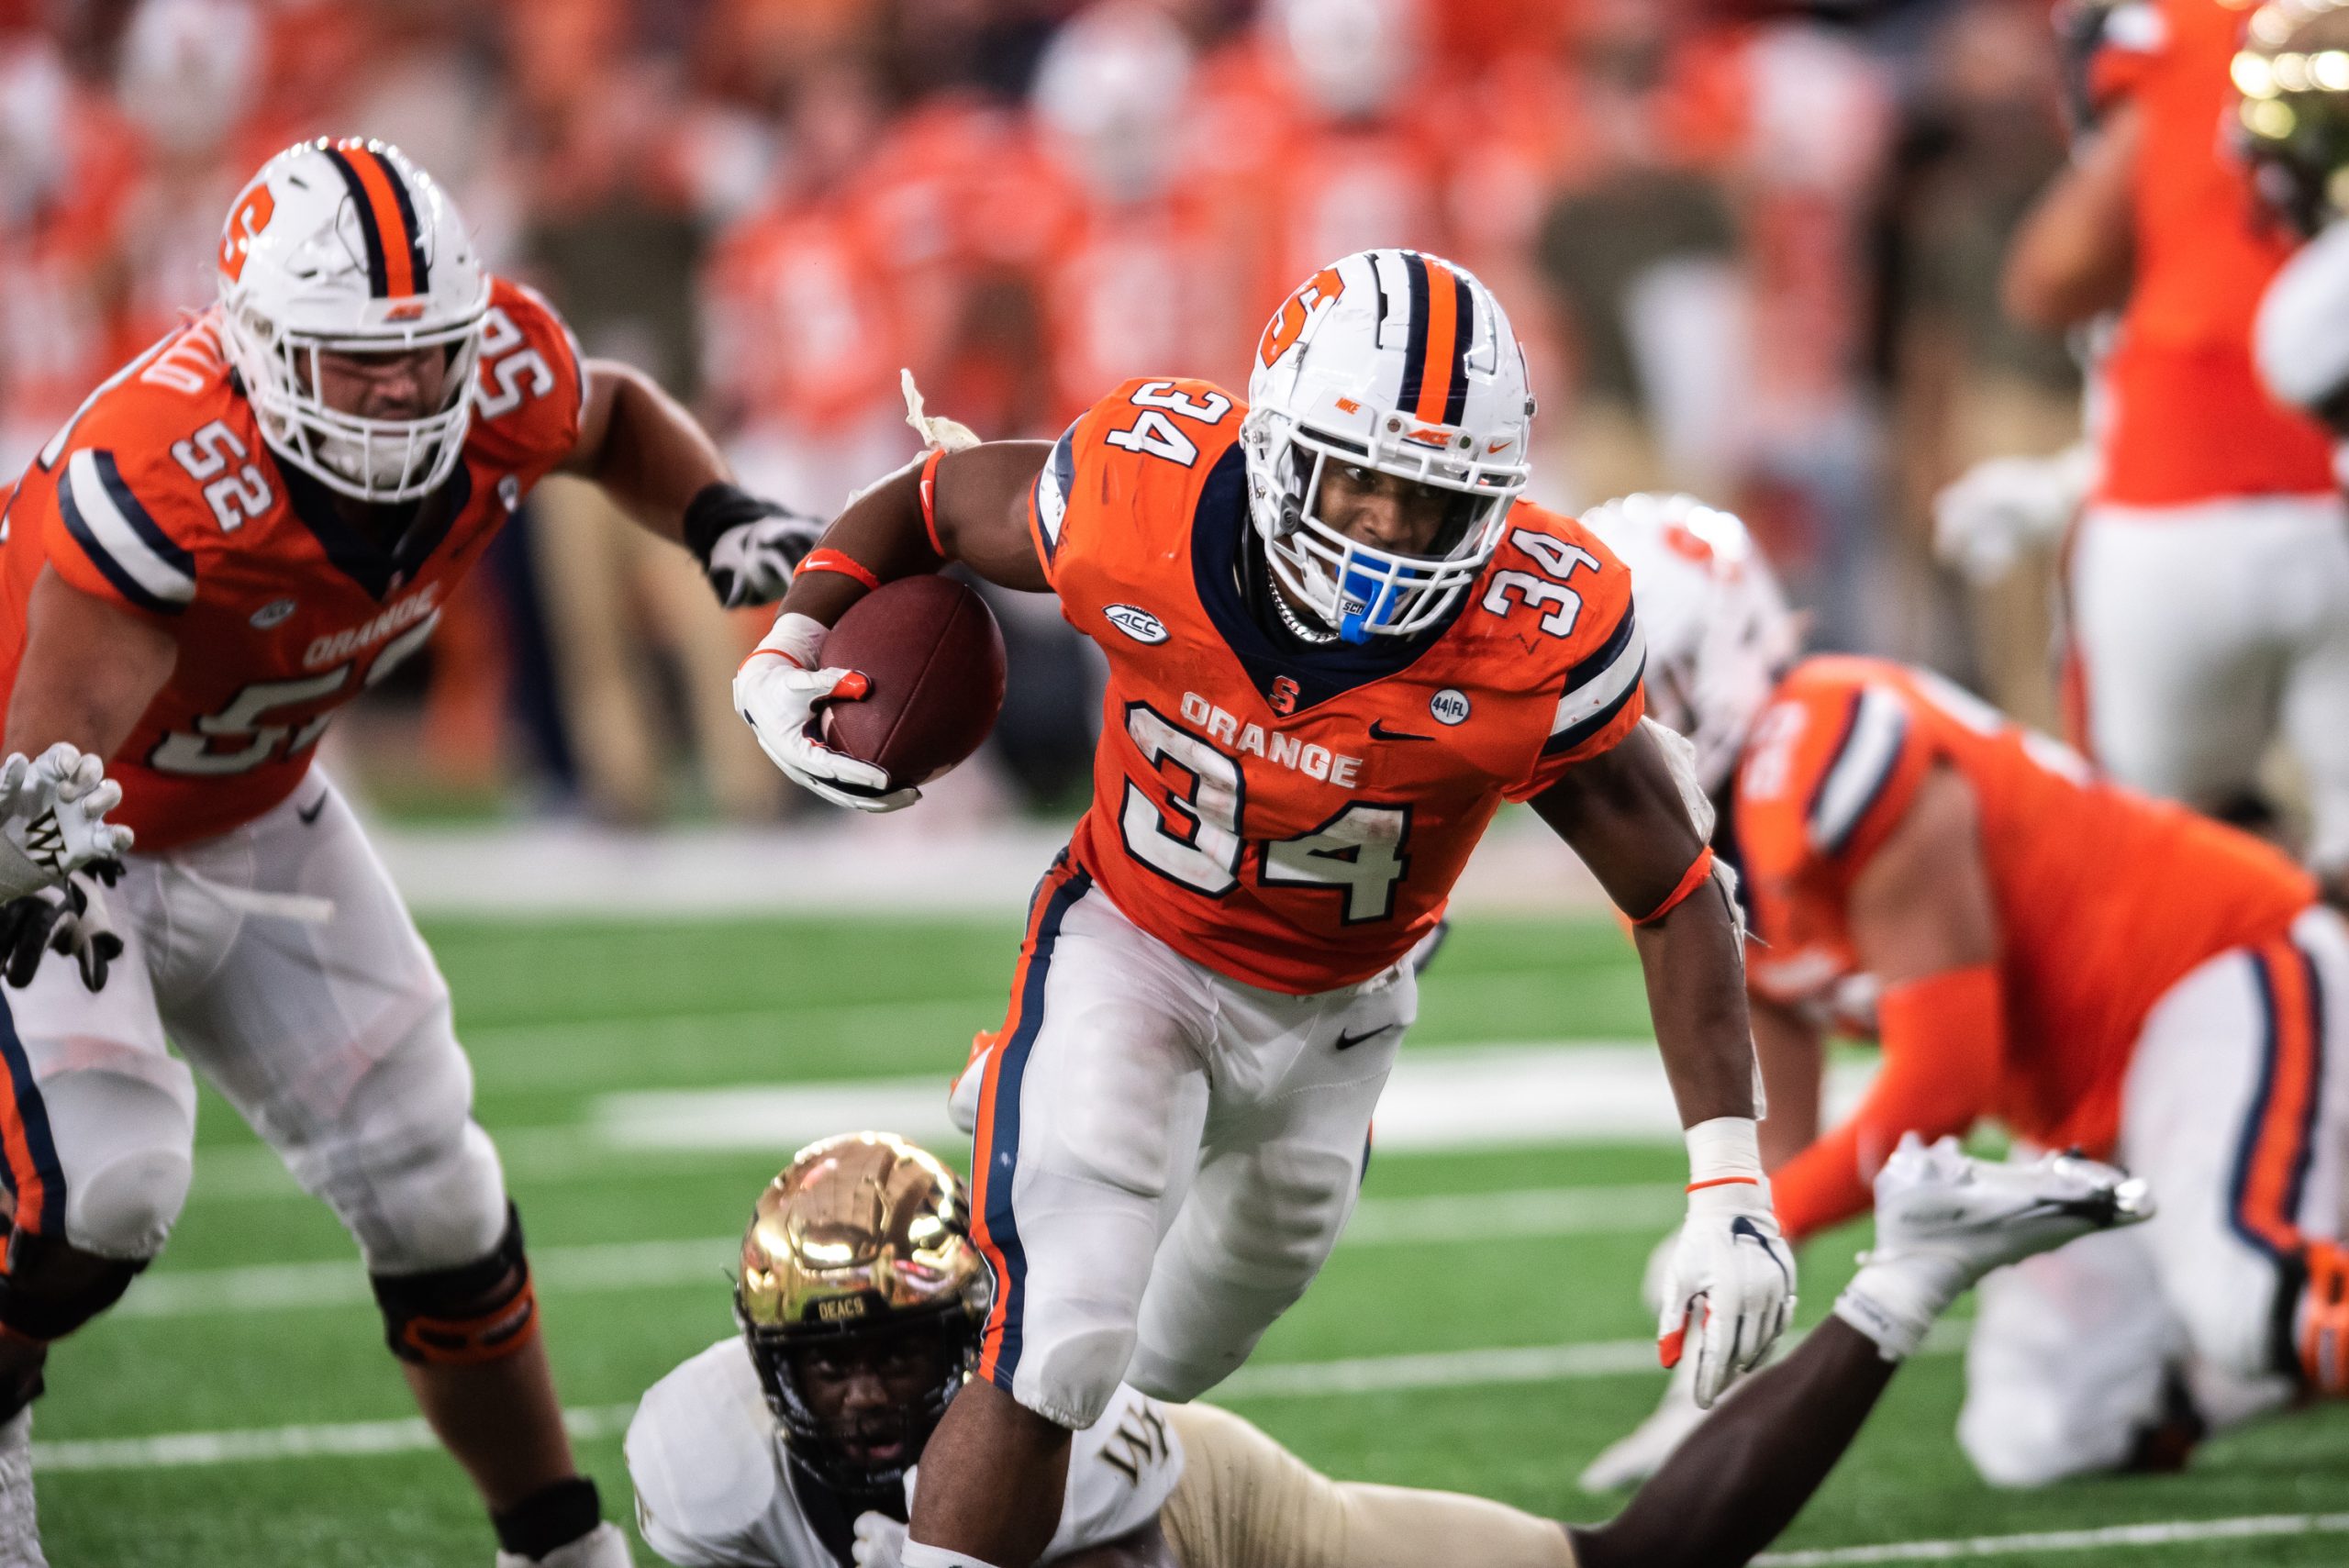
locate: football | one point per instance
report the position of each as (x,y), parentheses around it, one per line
(934,654)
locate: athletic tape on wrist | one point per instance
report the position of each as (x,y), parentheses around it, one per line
(1724,1151)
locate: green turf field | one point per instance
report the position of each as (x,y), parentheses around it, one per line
(223,1338)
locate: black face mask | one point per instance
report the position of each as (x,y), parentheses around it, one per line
(835,1452)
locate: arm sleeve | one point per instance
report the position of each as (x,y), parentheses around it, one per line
(1944,1040)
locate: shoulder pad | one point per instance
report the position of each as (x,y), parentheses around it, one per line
(1830,762)
(701,1452)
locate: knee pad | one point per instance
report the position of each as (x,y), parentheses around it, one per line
(479,1311)
(438,1208)
(1071,1381)
(53,1288)
(124,1145)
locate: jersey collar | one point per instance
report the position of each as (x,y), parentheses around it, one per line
(1219,524)
(379,571)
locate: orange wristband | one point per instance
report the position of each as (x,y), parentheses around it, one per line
(1691,879)
(833,561)
(929,500)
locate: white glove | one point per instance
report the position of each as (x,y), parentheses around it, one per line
(2000,508)
(1730,1272)
(1631,1459)
(777,692)
(52,818)
(880,1541)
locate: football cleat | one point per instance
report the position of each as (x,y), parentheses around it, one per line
(603,1547)
(1943,1220)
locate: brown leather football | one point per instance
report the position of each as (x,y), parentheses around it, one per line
(934,654)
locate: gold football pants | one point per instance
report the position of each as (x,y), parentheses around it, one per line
(1246,1502)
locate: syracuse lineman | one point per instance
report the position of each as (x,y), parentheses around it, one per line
(2032,942)
(1334,649)
(243,528)
(2208,577)
(861,1301)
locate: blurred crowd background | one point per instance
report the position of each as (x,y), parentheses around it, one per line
(1753,250)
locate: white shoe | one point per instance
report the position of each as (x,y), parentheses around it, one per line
(603,1547)
(1943,1220)
(19,1525)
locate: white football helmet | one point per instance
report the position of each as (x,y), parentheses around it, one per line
(346,247)
(1718,631)
(1403,362)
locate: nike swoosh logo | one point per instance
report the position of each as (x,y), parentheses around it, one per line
(1378,731)
(1348,1041)
(309,814)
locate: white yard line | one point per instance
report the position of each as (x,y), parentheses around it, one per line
(1277,1380)
(2170,1533)
(604,1267)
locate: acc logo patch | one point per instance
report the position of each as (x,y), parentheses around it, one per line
(272,614)
(1449,706)
(1137,623)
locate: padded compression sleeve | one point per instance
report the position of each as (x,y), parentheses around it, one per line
(1943,1037)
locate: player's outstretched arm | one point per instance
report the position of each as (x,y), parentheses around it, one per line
(1923,922)
(654,460)
(2074,255)
(1729,1291)
(969,506)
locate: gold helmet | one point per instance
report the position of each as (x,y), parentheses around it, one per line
(2293,73)
(861,1244)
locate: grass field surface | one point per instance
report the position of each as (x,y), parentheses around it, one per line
(1480,1327)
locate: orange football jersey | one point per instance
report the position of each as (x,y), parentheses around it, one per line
(160,496)
(1296,821)
(2104,897)
(2188,419)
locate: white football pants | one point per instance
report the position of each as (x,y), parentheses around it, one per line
(2204,632)
(1164,1157)
(2236,1110)
(280,960)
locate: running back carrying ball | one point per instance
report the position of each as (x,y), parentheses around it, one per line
(934,656)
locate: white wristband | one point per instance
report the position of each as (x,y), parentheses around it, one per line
(1725,1148)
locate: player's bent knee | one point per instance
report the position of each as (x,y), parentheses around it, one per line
(124,1207)
(439,1208)
(2016,1446)
(479,1311)
(1283,1228)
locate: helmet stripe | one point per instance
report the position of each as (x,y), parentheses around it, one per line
(1440,369)
(1415,350)
(418,267)
(378,278)
(1455,397)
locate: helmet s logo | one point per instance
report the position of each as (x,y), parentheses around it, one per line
(1289,325)
(245,223)
(1283,695)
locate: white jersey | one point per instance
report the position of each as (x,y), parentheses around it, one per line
(715,1489)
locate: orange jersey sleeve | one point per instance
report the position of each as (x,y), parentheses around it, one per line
(1560,570)
(532,382)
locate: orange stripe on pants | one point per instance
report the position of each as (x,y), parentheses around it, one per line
(2273,1162)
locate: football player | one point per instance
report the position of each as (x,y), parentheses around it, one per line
(863,1300)
(1335,648)
(239,531)
(2030,942)
(2208,577)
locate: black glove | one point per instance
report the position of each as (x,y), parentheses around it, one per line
(70,917)
(748,547)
